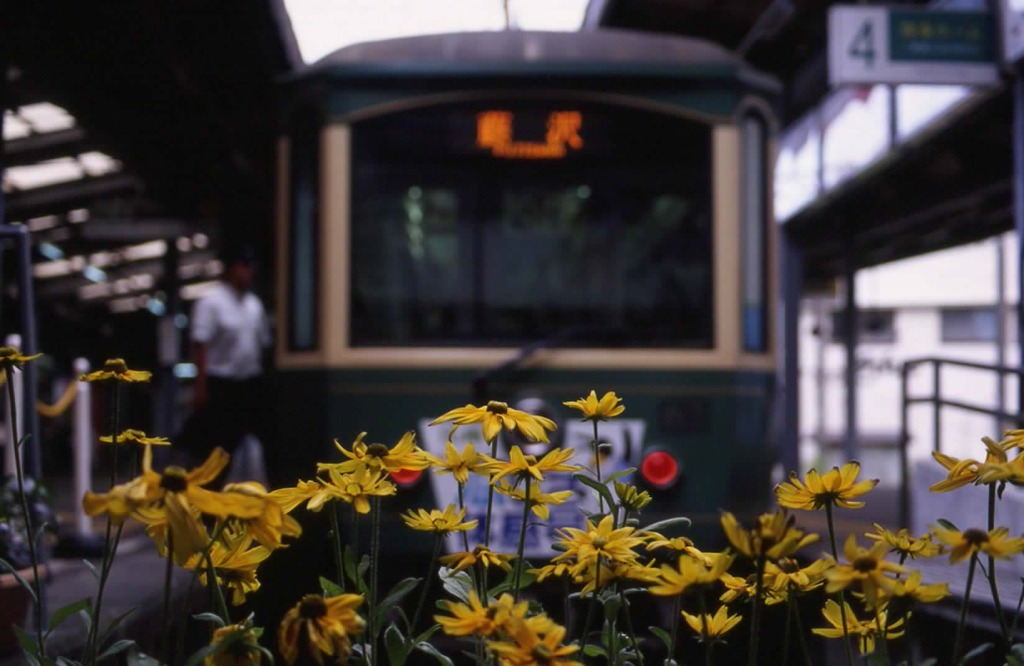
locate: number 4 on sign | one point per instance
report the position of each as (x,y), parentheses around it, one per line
(863,44)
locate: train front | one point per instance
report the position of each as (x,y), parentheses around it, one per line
(525,217)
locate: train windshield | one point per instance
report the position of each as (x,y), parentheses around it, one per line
(505,223)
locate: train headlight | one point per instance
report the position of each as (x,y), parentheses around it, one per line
(660,469)
(404,478)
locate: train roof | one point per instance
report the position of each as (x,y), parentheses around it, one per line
(599,52)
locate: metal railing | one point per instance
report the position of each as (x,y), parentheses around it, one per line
(938,402)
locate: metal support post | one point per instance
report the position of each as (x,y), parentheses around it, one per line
(82,445)
(789,382)
(850,335)
(1018,217)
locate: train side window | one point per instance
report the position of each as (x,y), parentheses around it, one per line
(303,238)
(754,239)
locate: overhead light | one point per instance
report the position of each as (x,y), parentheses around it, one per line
(122,305)
(78,215)
(43,223)
(46,117)
(157,307)
(185,370)
(147,250)
(94,274)
(200,240)
(92,292)
(195,290)
(52,269)
(51,251)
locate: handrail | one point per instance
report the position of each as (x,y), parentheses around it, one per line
(936,399)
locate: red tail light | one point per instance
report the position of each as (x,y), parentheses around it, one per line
(406,477)
(660,469)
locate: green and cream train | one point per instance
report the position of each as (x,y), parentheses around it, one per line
(524,217)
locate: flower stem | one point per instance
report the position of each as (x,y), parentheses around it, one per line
(462,507)
(374,569)
(597,467)
(708,644)
(800,635)
(26,516)
(590,610)
(963,609)
(842,597)
(426,585)
(991,572)
(789,625)
(487,519)
(624,603)
(675,627)
(755,617)
(522,540)
(165,630)
(339,569)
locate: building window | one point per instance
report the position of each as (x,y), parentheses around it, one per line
(872,325)
(754,269)
(970,325)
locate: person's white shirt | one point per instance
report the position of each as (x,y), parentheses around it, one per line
(234,329)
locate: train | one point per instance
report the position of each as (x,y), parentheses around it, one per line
(526,217)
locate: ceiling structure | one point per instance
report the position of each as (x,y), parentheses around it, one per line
(155,123)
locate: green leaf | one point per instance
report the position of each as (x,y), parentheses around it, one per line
(28,644)
(116,649)
(86,616)
(92,569)
(594,651)
(427,634)
(202,653)
(394,642)
(976,652)
(348,563)
(611,608)
(330,588)
(136,658)
(527,580)
(618,475)
(670,522)
(601,489)
(114,624)
(4,564)
(209,617)
(665,637)
(458,584)
(64,612)
(947,524)
(427,648)
(402,588)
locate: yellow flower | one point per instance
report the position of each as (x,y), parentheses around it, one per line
(137,436)
(689,571)
(907,546)
(536,640)
(587,545)
(745,588)
(911,587)
(866,567)
(539,500)
(439,522)
(456,464)
(631,497)
(234,564)
(553,461)
(403,455)
(116,369)
(712,626)
(787,575)
(586,574)
(474,619)
(864,630)
(269,527)
(172,495)
(355,488)
(11,357)
(607,407)
(497,415)
(838,487)
(557,569)
(997,543)
(322,626)
(482,554)
(1011,471)
(237,645)
(289,498)
(963,472)
(773,536)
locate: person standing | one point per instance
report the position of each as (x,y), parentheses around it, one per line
(230,332)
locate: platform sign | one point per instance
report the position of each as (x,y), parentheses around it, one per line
(625,437)
(871,44)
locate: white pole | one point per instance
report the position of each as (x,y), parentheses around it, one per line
(13,340)
(81,443)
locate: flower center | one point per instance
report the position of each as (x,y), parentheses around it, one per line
(975,537)
(439,523)
(174,480)
(116,365)
(354,489)
(865,564)
(377,450)
(312,607)
(8,352)
(599,542)
(788,565)
(495,407)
